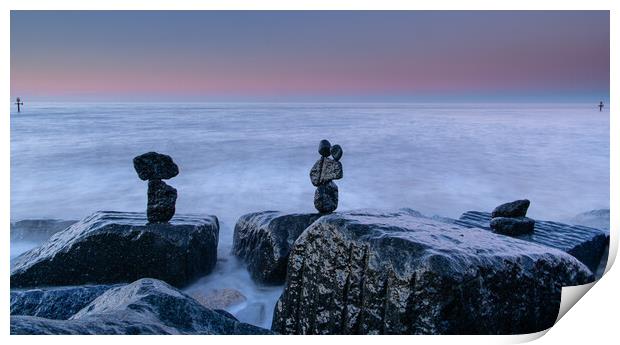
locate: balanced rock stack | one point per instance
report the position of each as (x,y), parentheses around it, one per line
(322,174)
(510,219)
(155,167)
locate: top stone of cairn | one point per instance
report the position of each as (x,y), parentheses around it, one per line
(516,208)
(155,166)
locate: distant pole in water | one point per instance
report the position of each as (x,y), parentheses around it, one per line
(600,106)
(19,102)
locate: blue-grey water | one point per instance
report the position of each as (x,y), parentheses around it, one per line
(68,160)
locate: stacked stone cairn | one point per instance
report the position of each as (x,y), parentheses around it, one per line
(162,198)
(322,174)
(509,219)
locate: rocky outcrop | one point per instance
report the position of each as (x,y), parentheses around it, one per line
(116,247)
(56,302)
(263,240)
(147,306)
(584,243)
(37,230)
(374,272)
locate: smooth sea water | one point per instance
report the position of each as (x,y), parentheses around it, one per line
(68,160)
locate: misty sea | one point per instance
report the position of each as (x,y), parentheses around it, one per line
(71,159)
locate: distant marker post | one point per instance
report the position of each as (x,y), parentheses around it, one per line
(19,103)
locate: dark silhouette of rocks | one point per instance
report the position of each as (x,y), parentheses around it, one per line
(118,247)
(146,306)
(154,167)
(322,174)
(382,272)
(509,218)
(516,208)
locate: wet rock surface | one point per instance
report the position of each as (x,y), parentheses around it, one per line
(55,302)
(117,247)
(155,166)
(516,208)
(263,240)
(147,306)
(585,243)
(380,272)
(161,202)
(512,226)
(37,229)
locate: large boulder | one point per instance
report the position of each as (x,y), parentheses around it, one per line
(377,272)
(147,306)
(585,243)
(119,247)
(264,239)
(55,302)
(37,230)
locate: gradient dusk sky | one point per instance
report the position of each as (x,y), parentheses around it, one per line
(309,56)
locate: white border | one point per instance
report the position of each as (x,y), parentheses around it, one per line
(593,320)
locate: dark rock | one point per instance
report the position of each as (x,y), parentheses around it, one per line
(225,313)
(324,171)
(263,240)
(376,272)
(326,198)
(584,243)
(336,152)
(147,306)
(516,208)
(37,230)
(324,148)
(512,226)
(155,166)
(117,247)
(55,302)
(161,202)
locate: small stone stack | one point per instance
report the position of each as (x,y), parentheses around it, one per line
(509,219)
(162,198)
(322,174)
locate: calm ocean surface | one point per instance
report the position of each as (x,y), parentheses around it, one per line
(68,160)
